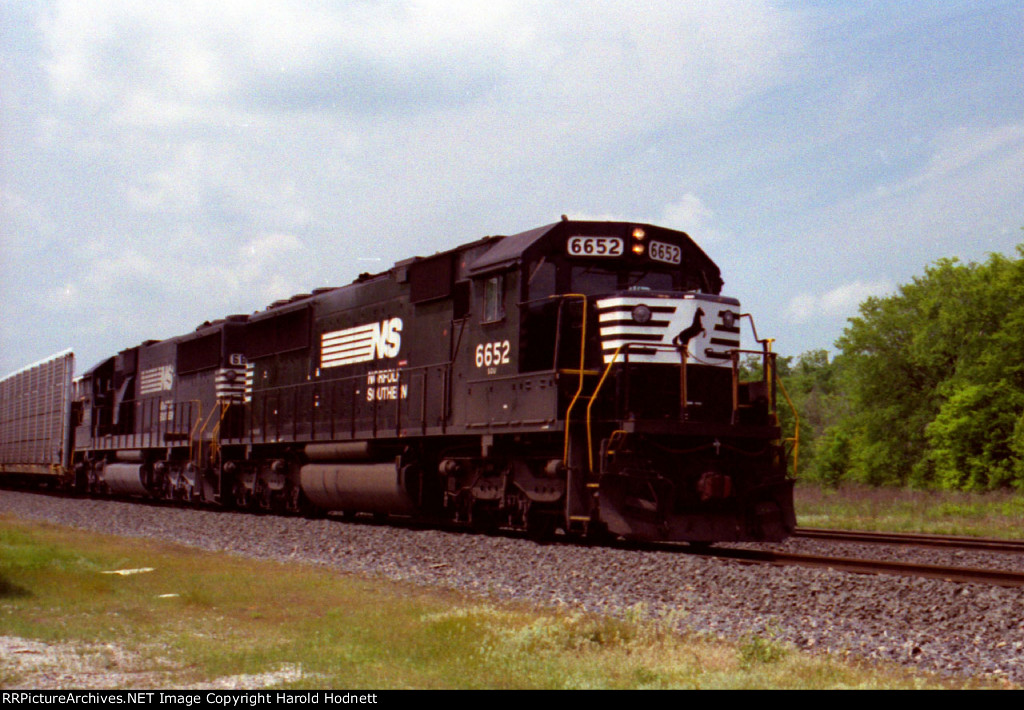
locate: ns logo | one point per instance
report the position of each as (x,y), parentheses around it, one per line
(363,343)
(387,337)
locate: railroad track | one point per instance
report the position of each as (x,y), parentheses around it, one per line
(1003,578)
(856,565)
(986,544)
(974,575)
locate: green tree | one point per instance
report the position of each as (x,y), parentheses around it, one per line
(975,437)
(811,383)
(934,381)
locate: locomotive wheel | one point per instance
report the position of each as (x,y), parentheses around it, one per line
(305,508)
(195,494)
(264,497)
(483,520)
(243,498)
(81,486)
(293,500)
(541,526)
(597,534)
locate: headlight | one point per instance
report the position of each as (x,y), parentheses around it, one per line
(641,314)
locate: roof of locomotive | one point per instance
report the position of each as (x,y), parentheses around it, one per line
(509,250)
(499,252)
(512,249)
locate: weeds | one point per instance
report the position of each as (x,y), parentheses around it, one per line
(754,650)
(305,627)
(852,507)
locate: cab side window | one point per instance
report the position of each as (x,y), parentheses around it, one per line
(494,302)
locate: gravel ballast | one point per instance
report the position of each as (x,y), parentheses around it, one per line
(964,629)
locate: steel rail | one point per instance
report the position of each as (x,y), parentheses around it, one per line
(1002,578)
(916,539)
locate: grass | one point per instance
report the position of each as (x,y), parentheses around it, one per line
(851,507)
(197,618)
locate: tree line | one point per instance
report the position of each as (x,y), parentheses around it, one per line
(926,388)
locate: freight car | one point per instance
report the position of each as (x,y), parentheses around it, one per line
(583,376)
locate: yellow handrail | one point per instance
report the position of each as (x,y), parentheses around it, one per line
(593,398)
(579,389)
(215,434)
(198,459)
(195,428)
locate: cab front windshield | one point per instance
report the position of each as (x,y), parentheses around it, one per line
(545,278)
(595,280)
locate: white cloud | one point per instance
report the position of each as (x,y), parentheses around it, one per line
(958,202)
(840,301)
(25,219)
(687,214)
(692,216)
(589,66)
(179,138)
(592,217)
(301,115)
(173,186)
(964,156)
(269,246)
(145,62)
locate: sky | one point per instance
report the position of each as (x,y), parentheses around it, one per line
(170,162)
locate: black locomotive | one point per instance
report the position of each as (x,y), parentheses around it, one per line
(582,376)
